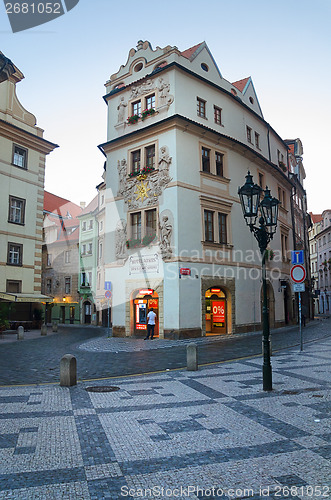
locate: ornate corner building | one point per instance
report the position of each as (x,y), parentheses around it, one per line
(180,140)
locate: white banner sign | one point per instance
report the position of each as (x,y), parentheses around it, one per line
(139,264)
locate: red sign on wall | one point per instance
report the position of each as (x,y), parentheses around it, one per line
(185,271)
(218,309)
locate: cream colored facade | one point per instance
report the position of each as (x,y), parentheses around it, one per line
(22,169)
(194,150)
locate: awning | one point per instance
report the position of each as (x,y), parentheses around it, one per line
(25,297)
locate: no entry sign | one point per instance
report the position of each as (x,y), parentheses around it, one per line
(298,273)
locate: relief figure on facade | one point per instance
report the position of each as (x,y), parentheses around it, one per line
(122,173)
(165,97)
(120,240)
(121,110)
(142,89)
(165,237)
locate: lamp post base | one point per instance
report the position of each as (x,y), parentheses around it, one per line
(267,377)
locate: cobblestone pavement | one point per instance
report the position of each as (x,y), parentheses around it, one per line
(211,433)
(37,359)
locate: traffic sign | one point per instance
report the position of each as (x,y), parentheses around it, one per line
(298,273)
(107,285)
(107,294)
(299,287)
(297,257)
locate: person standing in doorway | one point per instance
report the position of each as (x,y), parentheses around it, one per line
(150,324)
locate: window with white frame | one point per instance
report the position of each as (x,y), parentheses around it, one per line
(89,249)
(90,225)
(16,210)
(20,157)
(84,225)
(15,254)
(140,105)
(143,226)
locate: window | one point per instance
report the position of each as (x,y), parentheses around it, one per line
(20,156)
(219,163)
(136,226)
(101,226)
(100,251)
(150,156)
(15,252)
(218,115)
(48,286)
(249,134)
(282,197)
(144,157)
(136,108)
(90,225)
(102,199)
(49,259)
(89,249)
(86,278)
(84,225)
(150,102)
(261,180)
(222,228)
(150,222)
(257,140)
(143,225)
(83,249)
(13,286)
(16,210)
(201,107)
(209,225)
(205,160)
(67,257)
(135,161)
(67,285)
(284,243)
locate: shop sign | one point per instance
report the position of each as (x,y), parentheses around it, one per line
(218,308)
(152,303)
(146,291)
(185,271)
(215,290)
(144,264)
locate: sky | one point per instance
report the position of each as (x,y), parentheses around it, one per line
(284,45)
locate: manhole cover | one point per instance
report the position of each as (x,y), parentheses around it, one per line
(103,388)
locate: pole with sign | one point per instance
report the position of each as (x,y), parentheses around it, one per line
(298,276)
(108,296)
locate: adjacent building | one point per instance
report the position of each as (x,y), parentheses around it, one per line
(320,242)
(23,151)
(60,270)
(180,141)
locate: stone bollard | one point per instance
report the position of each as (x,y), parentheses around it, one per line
(68,371)
(192,357)
(54,327)
(44,330)
(20,333)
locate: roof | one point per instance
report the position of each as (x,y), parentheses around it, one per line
(188,53)
(241,84)
(315,217)
(93,205)
(60,206)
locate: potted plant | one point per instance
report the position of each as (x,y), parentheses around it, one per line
(147,112)
(133,119)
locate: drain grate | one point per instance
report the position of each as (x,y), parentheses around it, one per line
(103,388)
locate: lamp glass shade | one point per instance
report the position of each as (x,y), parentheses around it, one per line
(269,211)
(250,194)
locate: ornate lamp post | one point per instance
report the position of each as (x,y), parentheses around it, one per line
(250,195)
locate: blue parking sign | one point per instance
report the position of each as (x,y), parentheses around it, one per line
(297,257)
(107,285)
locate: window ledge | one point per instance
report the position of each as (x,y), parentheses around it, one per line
(215,177)
(18,166)
(283,209)
(16,223)
(213,244)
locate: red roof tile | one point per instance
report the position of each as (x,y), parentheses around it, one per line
(188,53)
(60,206)
(241,84)
(93,205)
(315,217)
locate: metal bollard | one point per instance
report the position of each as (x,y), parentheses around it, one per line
(20,333)
(68,371)
(44,330)
(192,357)
(54,327)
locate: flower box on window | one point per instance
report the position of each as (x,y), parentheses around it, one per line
(133,119)
(143,172)
(137,243)
(142,116)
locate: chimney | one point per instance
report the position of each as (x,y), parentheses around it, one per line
(82,204)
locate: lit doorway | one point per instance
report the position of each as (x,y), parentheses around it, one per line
(216,311)
(142,301)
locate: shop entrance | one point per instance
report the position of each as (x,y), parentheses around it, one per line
(216,311)
(144,300)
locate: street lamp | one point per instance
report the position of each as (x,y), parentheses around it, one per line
(251,205)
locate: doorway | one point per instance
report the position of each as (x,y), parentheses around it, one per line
(216,311)
(87,312)
(142,301)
